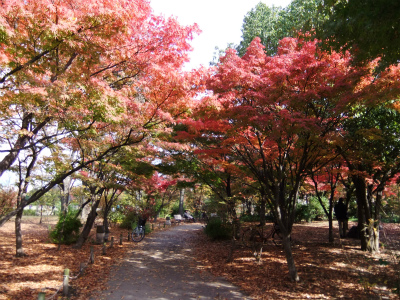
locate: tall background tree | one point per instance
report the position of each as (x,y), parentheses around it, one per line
(369,29)
(271,24)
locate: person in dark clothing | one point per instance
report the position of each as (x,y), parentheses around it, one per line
(341,215)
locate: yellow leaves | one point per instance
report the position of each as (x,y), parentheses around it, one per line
(370,134)
(25,132)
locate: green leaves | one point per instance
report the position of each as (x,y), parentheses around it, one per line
(369,29)
(271,24)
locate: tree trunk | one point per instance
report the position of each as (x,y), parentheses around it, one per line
(330,217)
(65,196)
(331,239)
(181,199)
(105,218)
(18,235)
(373,240)
(262,211)
(229,259)
(289,258)
(248,204)
(373,226)
(41,214)
(362,210)
(362,232)
(88,226)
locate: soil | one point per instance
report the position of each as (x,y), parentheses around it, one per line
(327,271)
(180,261)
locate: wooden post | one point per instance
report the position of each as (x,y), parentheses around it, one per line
(104,249)
(129,237)
(164,225)
(91,255)
(41,296)
(81,267)
(65,282)
(120,239)
(112,242)
(152,226)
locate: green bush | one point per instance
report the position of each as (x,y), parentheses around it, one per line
(218,230)
(303,213)
(29,212)
(250,218)
(175,209)
(147,228)
(116,216)
(129,220)
(391,219)
(67,228)
(311,211)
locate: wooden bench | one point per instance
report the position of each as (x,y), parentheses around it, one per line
(178,218)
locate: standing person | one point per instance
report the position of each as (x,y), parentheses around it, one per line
(341,215)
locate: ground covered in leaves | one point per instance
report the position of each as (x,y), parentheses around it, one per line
(42,268)
(327,271)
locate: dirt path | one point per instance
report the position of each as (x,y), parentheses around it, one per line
(163,268)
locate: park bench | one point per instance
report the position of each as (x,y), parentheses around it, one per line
(178,218)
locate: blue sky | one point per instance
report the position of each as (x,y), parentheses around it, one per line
(220,21)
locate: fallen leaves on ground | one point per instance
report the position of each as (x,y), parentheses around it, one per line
(42,267)
(327,271)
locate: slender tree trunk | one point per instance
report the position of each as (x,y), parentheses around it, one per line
(18,235)
(331,239)
(88,226)
(82,207)
(41,214)
(373,241)
(361,227)
(373,224)
(330,219)
(289,258)
(231,249)
(248,207)
(362,210)
(65,196)
(285,227)
(107,210)
(181,200)
(262,211)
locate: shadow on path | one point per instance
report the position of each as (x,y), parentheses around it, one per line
(163,268)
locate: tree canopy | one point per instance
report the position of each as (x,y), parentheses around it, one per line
(370,29)
(271,24)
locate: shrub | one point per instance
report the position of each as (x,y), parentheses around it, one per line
(250,218)
(311,211)
(29,212)
(129,220)
(116,216)
(218,230)
(391,219)
(147,228)
(67,228)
